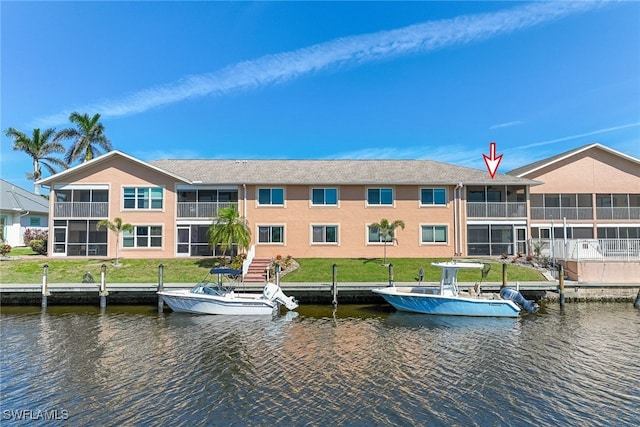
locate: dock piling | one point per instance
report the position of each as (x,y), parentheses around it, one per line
(103,286)
(636,304)
(160,287)
(334,287)
(391,283)
(504,276)
(45,286)
(561,285)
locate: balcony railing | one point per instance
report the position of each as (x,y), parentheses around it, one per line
(202,209)
(496,210)
(81,209)
(618,213)
(591,249)
(559,213)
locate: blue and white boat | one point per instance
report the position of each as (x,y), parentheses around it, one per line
(447,299)
(221,298)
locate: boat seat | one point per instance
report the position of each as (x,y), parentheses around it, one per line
(209,291)
(475,290)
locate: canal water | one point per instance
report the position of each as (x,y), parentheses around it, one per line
(358,365)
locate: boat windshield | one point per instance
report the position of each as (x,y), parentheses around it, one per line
(207,289)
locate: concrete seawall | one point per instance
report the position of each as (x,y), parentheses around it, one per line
(306,293)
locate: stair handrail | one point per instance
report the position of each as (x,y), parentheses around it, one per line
(248,260)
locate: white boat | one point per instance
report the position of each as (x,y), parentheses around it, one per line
(447,299)
(214,298)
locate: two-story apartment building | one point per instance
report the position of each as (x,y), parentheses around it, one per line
(589,192)
(303,208)
(586,212)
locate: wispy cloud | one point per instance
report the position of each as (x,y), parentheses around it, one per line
(506,125)
(461,155)
(342,52)
(580,135)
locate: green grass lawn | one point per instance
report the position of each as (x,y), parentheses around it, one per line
(21,251)
(404,270)
(29,269)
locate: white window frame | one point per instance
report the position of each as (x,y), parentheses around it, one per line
(284,196)
(433,190)
(379,242)
(324,189)
(324,234)
(150,199)
(271,227)
(135,236)
(393,196)
(433,229)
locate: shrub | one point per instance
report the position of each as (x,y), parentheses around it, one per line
(237,261)
(5,249)
(283,263)
(35,234)
(39,246)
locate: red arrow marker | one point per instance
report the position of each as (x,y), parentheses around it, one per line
(492,161)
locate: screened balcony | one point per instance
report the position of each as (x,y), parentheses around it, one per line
(202,209)
(559,213)
(496,202)
(81,209)
(497,210)
(572,206)
(81,202)
(205,202)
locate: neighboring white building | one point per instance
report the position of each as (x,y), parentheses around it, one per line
(19,210)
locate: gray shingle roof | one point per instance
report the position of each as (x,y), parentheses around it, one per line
(13,198)
(306,172)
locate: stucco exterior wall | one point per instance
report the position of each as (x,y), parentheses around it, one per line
(603,271)
(117,173)
(352,215)
(593,171)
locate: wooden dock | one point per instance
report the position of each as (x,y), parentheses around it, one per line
(313,293)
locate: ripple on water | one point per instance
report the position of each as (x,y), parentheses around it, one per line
(351,366)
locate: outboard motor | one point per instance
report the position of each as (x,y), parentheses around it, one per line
(273,292)
(515,296)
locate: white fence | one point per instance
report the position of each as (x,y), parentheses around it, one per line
(590,249)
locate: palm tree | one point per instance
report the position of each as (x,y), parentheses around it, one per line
(229,228)
(117,227)
(40,147)
(387,232)
(88,138)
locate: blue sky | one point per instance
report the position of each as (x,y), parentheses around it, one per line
(317,80)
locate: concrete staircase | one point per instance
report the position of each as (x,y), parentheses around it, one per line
(257,271)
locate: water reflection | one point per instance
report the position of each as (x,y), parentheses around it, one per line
(346,365)
(418,321)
